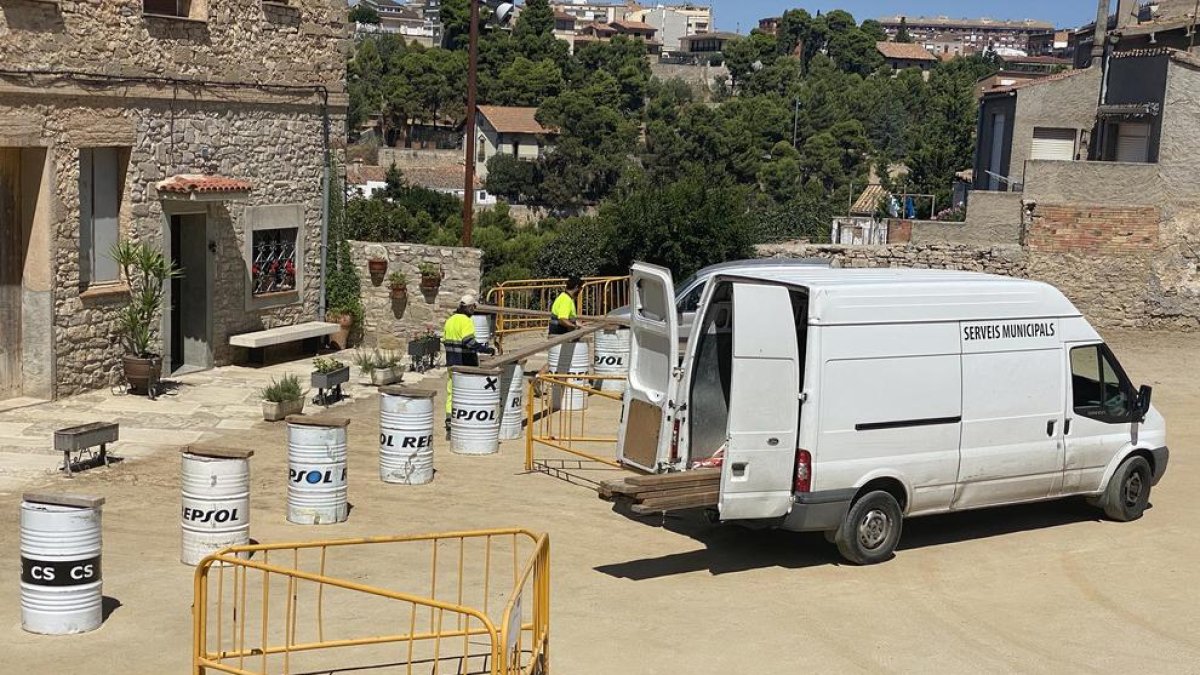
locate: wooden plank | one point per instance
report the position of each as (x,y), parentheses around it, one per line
(675,503)
(544,345)
(684,491)
(643,491)
(218,451)
(543,314)
(679,477)
(318,420)
(66,499)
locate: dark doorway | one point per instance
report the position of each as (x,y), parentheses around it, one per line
(190,344)
(12,265)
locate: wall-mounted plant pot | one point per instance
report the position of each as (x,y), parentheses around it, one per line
(331,379)
(430,283)
(273,412)
(377,267)
(399,293)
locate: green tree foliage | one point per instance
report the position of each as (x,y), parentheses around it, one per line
(902,34)
(512,178)
(363,14)
(580,247)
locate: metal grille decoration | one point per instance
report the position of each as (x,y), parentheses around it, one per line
(274,265)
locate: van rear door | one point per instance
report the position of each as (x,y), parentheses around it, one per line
(764,404)
(647,426)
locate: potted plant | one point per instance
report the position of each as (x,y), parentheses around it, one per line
(431,276)
(398,283)
(366,365)
(282,398)
(344,318)
(377,260)
(423,349)
(329,373)
(146,271)
(386,368)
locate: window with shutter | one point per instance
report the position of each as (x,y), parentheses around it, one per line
(1133,142)
(1055,144)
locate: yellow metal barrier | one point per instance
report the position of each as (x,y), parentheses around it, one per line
(597,297)
(571,431)
(280,608)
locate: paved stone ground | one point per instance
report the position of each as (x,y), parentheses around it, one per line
(195,407)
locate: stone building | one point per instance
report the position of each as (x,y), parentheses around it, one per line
(200,127)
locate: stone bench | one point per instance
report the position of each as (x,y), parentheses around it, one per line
(259,340)
(81,439)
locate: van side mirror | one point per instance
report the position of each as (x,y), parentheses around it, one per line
(1142,407)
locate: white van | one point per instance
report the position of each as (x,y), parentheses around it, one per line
(844,400)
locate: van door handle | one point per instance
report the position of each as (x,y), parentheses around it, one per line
(1067,427)
(739,468)
(772,442)
(1050,427)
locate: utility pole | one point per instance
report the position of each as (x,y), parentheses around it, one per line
(468,212)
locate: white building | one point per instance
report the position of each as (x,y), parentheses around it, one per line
(675,22)
(511,131)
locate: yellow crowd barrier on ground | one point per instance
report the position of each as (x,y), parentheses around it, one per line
(350,606)
(587,436)
(597,297)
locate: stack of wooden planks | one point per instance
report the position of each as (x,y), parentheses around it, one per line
(665,492)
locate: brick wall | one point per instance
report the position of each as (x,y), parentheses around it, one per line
(1093,228)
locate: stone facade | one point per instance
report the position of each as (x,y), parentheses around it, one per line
(389,323)
(1112,290)
(174,96)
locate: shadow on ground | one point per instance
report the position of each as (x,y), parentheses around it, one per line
(730,548)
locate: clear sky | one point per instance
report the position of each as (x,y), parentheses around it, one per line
(744,14)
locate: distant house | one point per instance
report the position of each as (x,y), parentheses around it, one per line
(363,181)
(1034,64)
(904,55)
(509,130)
(704,47)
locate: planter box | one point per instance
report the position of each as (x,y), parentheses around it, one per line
(385,376)
(331,380)
(423,353)
(273,412)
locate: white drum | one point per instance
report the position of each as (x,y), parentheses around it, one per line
(512,391)
(61,586)
(474,415)
(483,328)
(612,357)
(406,435)
(317,486)
(574,358)
(215,512)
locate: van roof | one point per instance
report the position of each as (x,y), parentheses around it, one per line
(894,295)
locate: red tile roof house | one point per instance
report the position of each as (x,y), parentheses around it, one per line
(511,131)
(98,146)
(903,55)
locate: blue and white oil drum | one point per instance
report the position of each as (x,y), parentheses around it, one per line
(317,480)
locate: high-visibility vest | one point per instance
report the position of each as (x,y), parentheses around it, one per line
(563,308)
(455,334)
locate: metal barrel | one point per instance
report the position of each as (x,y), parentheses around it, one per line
(317,485)
(512,391)
(215,506)
(574,358)
(475,412)
(406,435)
(483,328)
(612,357)
(61,586)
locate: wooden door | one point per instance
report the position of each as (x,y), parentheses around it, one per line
(12,264)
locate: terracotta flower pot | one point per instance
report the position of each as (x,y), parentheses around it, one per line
(142,374)
(399,293)
(430,283)
(377,267)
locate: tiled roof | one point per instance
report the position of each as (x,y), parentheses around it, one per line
(513,120)
(361,174)
(438,177)
(560,15)
(632,25)
(1045,60)
(868,202)
(908,51)
(947,22)
(1042,80)
(188,183)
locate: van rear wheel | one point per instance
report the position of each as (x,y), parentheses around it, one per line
(1128,491)
(871,530)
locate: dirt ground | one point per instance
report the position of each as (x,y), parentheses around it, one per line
(1039,588)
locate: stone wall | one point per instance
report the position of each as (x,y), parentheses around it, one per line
(407,157)
(701,78)
(389,323)
(1112,290)
(241,40)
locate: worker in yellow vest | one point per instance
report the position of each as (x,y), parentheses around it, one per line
(564,317)
(462,349)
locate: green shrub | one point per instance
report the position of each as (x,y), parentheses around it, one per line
(287,388)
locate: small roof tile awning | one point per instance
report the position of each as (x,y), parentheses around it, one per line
(201,187)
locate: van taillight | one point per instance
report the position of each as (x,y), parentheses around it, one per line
(803,480)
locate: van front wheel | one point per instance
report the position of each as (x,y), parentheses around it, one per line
(871,530)
(1128,491)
